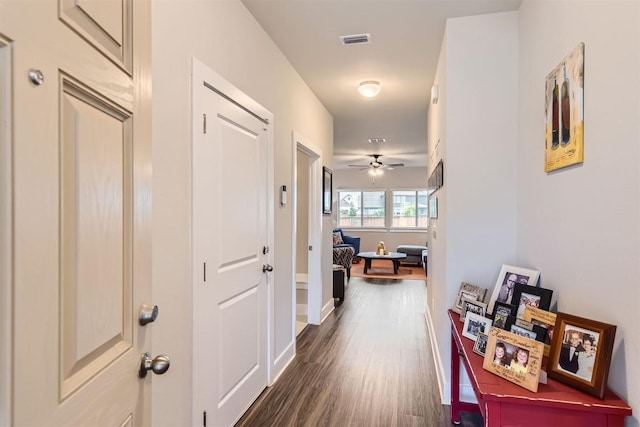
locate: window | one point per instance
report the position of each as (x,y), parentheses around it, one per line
(409,209)
(364,209)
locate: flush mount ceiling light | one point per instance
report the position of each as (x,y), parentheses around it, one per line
(369,88)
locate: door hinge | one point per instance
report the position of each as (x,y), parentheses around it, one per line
(204,418)
(205,271)
(204,123)
(310,248)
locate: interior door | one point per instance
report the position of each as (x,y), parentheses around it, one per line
(81,188)
(229,252)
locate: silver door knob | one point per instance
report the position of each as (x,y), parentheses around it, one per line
(147,314)
(159,364)
(267,267)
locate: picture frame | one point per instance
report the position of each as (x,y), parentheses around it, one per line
(472,306)
(508,277)
(480,347)
(433,207)
(544,319)
(327,190)
(514,358)
(474,324)
(501,313)
(585,368)
(469,291)
(525,295)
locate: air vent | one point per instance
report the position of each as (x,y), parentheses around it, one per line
(376,140)
(355,39)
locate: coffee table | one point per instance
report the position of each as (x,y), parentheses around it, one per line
(394,257)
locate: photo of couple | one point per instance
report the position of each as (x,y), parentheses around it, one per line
(578,352)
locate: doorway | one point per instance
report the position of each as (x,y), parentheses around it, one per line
(307,231)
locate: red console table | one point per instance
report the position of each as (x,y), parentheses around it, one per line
(503,403)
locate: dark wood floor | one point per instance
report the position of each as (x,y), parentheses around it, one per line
(368,364)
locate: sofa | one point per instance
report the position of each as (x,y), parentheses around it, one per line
(341,240)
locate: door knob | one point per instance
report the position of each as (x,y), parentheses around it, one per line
(267,267)
(159,364)
(147,314)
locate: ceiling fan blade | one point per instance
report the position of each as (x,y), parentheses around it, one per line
(359,166)
(394,165)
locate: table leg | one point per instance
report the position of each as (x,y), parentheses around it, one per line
(455,383)
(367,265)
(396,264)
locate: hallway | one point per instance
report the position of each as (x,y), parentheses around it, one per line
(368,364)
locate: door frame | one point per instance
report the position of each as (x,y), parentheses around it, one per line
(314,287)
(6,235)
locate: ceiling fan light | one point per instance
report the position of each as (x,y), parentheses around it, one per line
(369,88)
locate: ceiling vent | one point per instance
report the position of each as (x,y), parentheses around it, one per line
(355,39)
(376,140)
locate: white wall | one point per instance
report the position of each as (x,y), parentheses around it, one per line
(223,35)
(581,226)
(396,179)
(473,128)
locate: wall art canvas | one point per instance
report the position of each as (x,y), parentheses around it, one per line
(564,112)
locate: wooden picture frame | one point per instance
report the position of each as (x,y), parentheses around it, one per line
(501,313)
(327,190)
(544,319)
(513,349)
(507,279)
(469,291)
(525,295)
(480,347)
(474,324)
(587,369)
(472,306)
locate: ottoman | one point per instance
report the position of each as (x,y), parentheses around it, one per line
(414,253)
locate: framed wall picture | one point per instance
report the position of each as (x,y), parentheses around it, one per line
(505,285)
(515,358)
(581,353)
(469,291)
(564,112)
(327,190)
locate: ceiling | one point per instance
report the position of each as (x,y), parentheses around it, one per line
(406,36)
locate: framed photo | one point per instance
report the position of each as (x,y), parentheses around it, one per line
(472,306)
(433,207)
(480,346)
(501,312)
(544,319)
(514,358)
(469,291)
(524,295)
(505,285)
(327,190)
(474,324)
(581,353)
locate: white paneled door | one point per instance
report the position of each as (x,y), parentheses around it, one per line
(82,210)
(230,252)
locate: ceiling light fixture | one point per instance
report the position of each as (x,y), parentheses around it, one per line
(369,88)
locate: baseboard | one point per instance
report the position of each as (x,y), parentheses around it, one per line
(327,309)
(444,385)
(301,310)
(281,362)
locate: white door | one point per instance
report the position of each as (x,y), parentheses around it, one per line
(229,239)
(81,188)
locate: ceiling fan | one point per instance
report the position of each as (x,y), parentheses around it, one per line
(377,164)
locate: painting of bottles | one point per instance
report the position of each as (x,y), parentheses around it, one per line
(564,112)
